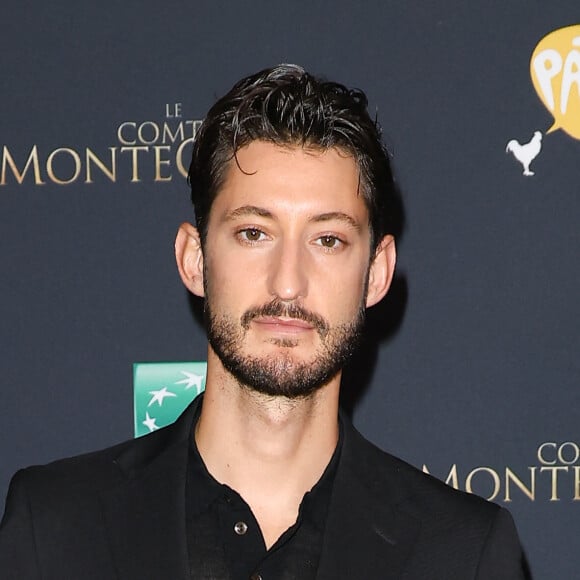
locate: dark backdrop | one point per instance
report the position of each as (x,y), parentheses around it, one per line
(477,361)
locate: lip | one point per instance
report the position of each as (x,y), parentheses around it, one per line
(282,325)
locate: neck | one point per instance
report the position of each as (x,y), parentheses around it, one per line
(271,450)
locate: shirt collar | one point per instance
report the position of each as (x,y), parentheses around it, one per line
(203,489)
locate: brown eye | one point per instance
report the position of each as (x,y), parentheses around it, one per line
(328,241)
(252,235)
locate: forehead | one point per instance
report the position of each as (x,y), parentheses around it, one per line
(292,178)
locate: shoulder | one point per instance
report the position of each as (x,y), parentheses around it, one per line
(454,534)
(71,475)
(104,468)
(423,495)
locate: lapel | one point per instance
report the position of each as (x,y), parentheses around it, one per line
(145,514)
(368,534)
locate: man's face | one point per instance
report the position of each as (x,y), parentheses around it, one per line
(286,262)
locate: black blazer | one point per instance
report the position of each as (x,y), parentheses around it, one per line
(120,514)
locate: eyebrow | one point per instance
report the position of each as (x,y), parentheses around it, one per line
(252,210)
(247,210)
(338,216)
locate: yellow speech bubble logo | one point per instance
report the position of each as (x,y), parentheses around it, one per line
(555,72)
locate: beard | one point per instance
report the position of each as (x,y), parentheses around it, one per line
(280,374)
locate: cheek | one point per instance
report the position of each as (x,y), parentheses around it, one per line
(341,295)
(230,287)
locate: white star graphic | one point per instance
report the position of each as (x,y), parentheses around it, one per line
(150,423)
(159,396)
(192,380)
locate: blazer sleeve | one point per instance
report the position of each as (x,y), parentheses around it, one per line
(17,546)
(502,557)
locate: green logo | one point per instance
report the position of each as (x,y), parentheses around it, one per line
(162,391)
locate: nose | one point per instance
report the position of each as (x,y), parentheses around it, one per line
(288,278)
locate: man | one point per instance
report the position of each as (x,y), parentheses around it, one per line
(261,478)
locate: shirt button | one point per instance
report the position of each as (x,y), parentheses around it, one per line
(240,528)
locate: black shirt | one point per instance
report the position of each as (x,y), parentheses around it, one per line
(224,538)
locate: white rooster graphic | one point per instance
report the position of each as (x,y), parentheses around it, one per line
(526,153)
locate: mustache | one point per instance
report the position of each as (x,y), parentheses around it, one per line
(277,308)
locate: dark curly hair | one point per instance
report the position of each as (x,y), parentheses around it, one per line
(287,106)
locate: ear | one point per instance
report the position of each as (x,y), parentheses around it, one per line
(189,257)
(381,270)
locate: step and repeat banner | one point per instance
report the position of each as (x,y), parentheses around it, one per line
(470,368)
